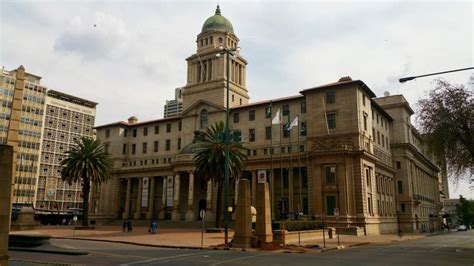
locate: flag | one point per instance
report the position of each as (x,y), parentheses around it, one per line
(277,119)
(294,123)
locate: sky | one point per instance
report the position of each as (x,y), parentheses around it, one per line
(133,58)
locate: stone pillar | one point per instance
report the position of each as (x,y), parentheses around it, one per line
(272,194)
(209,214)
(6,179)
(190,212)
(254,187)
(126,213)
(138,210)
(263,229)
(151,201)
(162,214)
(176,215)
(290,191)
(243,223)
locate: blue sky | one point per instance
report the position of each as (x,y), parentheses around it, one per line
(135,56)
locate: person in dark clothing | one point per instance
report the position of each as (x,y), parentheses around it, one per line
(129,226)
(124,226)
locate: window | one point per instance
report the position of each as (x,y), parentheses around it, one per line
(286,109)
(330,205)
(400,187)
(331,120)
(203,119)
(386,142)
(179,144)
(106,148)
(236,117)
(383,141)
(145,131)
(330,175)
(268,112)
(107,133)
(286,131)
(330,97)
(134,133)
(399,165)
(168,128)
(268,132)
(369,205)
(233,97)
(251,134)
(378,137)
(303,129)
(402,207)
(363,100)
(254,152)
(251,115)
(157,129)
(168,144)
(125,132)
(134,148)
(155,146)
(124,148)
(365,121)
(303,107)
(180,126)
(367,176)
(144,146)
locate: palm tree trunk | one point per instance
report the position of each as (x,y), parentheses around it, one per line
(219,210)
(86,186)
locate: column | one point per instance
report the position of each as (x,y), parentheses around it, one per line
(272,194)
(151,201)
(209,213)
(290,191)
(175,215)
(138,210)
(126,213)
(254,188)
(190,212)
(236,189)
(162,214)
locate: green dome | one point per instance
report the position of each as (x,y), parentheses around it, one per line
(217,22)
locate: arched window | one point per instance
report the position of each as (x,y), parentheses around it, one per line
(203,121)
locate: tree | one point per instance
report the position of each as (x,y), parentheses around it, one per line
(88,162)
(446,118)
(465,211)
(209,157)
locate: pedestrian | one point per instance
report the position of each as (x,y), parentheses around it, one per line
(154,226)
(124,226)
(129,226)
(64,221)
(150,229)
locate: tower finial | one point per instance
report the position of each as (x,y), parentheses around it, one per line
(218,10)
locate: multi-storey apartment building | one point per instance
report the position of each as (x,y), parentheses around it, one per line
(67,118)
(50,121)
(174,107)
(339,156)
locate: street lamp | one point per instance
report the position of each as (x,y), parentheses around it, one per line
(228,52)
(403,80)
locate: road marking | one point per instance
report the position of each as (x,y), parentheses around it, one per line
(243,258)
(169,257)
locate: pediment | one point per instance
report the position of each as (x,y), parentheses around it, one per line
(199,105)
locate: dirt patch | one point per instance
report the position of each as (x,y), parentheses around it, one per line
(270,247)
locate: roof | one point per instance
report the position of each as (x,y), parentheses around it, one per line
(71,99)
(268,101)
(342,81)
(218,23)
(380,109)
(125,124)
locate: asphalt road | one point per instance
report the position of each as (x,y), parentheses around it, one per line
(455,248)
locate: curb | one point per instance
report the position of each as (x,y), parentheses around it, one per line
(75,253)
(41,262)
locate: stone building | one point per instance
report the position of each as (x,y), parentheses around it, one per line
(338,156)
(49,123)
(174,107)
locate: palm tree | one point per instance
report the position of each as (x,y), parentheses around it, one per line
(88,162)
(209,157)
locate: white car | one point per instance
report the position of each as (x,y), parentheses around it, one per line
(462,228)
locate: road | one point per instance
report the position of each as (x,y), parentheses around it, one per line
(455,248)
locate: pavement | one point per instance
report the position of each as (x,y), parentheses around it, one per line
(191,238)
(456,248)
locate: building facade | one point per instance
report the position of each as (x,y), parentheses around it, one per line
(337,157)
(48,124)
(174,107)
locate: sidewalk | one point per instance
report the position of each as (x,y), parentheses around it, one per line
(185,238)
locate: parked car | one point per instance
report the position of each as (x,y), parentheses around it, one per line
(462,228)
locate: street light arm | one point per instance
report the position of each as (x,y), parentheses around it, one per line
(402,80)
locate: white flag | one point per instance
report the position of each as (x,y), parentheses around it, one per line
(294,123)
(277,119)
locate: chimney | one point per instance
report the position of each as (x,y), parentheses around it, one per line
(132,120)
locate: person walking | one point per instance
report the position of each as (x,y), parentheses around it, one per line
(129,226)
(124,226)
(154,226)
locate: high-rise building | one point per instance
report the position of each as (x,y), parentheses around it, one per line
(174,107)
(67,118)
(43,137)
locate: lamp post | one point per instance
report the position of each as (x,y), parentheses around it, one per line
(227,52)
(403,80)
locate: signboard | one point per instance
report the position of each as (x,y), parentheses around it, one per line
(145,189)
(202,214)
(51,188)
(336,212)
(262,176)
(169,191)
(74,218)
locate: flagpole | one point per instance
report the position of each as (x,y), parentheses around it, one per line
(290,172)
(271,163)
(299,169)
(307,153)
(281,164)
